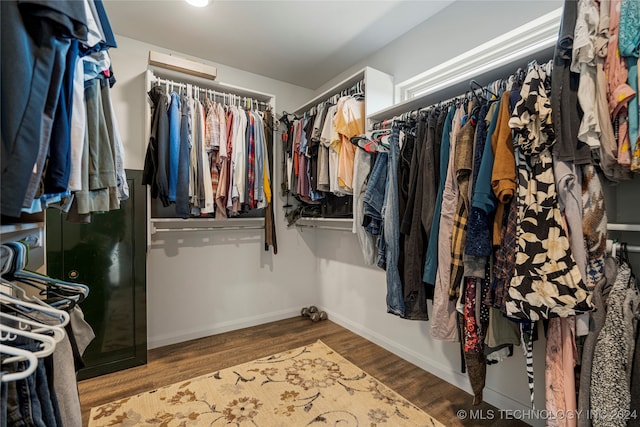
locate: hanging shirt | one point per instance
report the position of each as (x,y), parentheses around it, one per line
(323,153)
(443,318)
(349,122)
(583,62)
(184,160)
(239,161)
(503,176)
(174,144)
(261,160)
(78,125)
(619,93)
(207,198)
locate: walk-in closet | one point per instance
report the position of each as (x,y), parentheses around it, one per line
(299,213)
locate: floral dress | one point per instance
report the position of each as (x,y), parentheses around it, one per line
(547,282)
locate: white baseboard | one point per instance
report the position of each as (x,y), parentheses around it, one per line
(458,379)
(218,328)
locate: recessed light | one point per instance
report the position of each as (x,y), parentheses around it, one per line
(198,3)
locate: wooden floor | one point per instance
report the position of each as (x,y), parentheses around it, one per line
(179,362)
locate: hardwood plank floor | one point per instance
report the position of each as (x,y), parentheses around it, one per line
(179,362)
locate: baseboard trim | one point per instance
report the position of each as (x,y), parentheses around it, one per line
(230,325)
(459,380)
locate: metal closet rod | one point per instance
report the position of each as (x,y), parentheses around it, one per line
(618,246)
(168,82)
(623,227)
(324,227)
(225,228)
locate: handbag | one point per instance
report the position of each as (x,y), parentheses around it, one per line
(333,206)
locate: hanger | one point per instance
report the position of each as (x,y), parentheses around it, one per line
(22,306)
(47,347)
(20,252)
(48,343)
(19,356)
(21,294)
(57,295)
(6,255)
(58,332)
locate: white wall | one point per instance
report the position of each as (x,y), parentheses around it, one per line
(460,27)
(202,283)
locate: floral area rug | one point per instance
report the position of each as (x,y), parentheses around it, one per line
(308,386)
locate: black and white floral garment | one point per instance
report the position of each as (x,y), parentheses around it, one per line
(547,281)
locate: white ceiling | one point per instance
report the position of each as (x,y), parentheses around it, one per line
(303,42)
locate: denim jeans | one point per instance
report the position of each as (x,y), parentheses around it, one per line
(391,219)
(4,391)
(374,195)
(34,404)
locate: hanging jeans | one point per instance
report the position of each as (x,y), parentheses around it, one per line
(391,218)
(4,391)
(32,402)
(374,195)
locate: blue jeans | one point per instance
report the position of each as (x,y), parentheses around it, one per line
(35,405)
(4,392)
(374,195)
(391,218)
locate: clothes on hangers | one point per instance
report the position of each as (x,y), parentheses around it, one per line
(613,353)
(51,386)
(318,157)
(44,132)
(212,156)
(544,263)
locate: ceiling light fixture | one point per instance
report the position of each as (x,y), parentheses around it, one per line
(198,3)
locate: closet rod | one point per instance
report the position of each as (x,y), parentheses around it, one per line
(324,227)
(356,87)
(618,246)
(209,228)
(455,99)
(477,91)
(168,82)
(623,227)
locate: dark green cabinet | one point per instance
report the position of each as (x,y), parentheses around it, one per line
(108,255)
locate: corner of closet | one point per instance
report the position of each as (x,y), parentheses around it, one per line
(378,90)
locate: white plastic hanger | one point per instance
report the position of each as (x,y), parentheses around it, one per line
(63,316)
(20,355)
(48,343)
(38,328)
